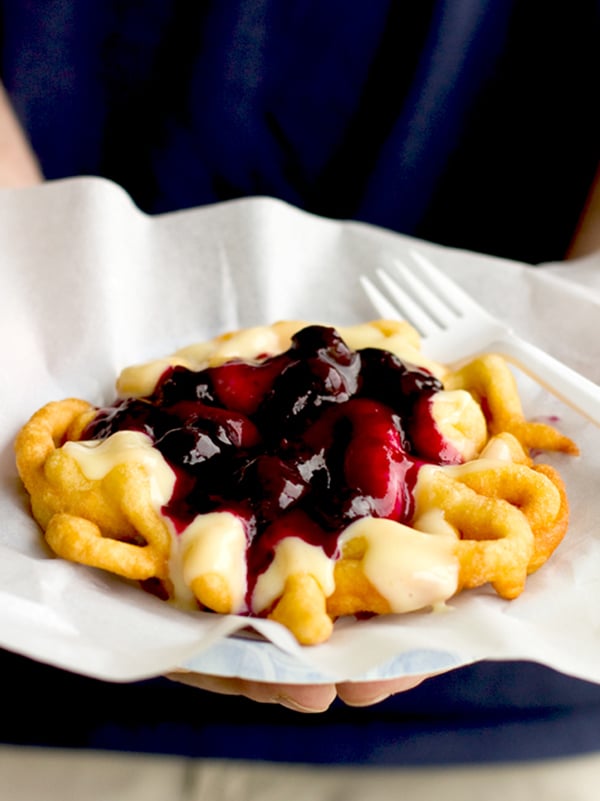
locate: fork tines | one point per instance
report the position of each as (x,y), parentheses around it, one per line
(417,297)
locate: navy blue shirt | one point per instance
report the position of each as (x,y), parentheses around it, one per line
(467,122)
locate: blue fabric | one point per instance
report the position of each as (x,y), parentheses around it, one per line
(489,712)
(459,53)
(466,122)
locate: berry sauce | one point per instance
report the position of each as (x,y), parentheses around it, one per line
(302,443)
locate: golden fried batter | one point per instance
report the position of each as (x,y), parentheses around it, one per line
(493,519)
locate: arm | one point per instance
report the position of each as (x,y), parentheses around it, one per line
(587,234)
(301,698)
(18,164)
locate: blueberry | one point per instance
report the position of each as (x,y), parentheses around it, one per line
(178,383)
(321,371)
(398,384)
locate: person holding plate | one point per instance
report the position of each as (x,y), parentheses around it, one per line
(466,124)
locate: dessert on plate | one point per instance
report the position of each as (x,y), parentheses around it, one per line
(301,472)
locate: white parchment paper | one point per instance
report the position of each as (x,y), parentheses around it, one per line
(89,285)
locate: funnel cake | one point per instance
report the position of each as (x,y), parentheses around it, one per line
(302,473)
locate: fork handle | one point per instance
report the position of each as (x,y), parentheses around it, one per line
(571,387)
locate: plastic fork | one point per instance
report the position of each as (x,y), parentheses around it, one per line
(454,328)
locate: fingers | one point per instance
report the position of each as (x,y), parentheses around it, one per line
(374,692)
(307,698)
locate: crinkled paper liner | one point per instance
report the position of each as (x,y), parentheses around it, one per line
(90,285)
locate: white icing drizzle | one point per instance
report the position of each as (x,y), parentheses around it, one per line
(292,555)
(411,569)
(214,543)
(96,458)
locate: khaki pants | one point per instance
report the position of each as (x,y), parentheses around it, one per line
(29,774)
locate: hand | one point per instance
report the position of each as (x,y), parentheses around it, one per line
(18,164)
(586,239)
(299,697)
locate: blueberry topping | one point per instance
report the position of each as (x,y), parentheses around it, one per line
(299,443)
